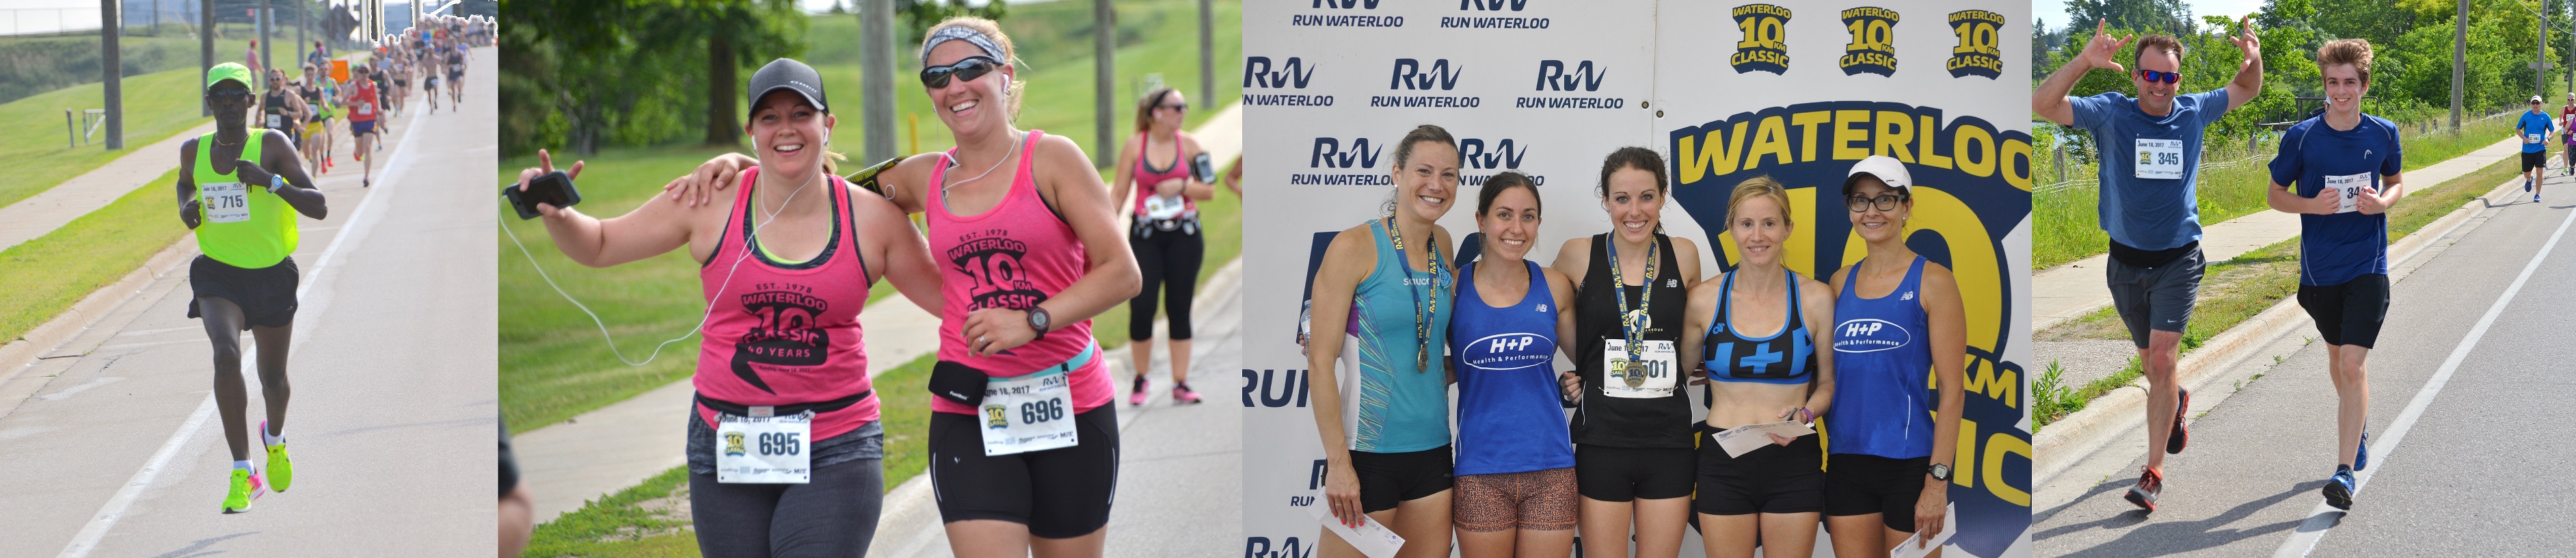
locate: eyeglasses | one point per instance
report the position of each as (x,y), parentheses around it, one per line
(2156,76)
(972,67)
(1885,202)
(1179,107)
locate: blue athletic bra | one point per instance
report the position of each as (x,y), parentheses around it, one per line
(1785,357)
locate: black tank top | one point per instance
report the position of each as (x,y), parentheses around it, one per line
(273,105)
(1658,422)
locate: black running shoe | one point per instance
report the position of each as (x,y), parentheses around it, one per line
(2181,434)
(2339,489)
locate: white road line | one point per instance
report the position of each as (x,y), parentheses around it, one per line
(108,513)
(2324,517)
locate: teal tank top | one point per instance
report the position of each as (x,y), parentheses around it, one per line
(1389,404)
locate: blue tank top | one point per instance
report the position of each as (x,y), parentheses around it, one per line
(1882,372)
(1784,357)
(1509,416)
(1390,405)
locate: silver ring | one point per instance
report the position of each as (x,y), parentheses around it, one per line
(979,339)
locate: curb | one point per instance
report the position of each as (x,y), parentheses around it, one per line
(2070,440)
(17,356)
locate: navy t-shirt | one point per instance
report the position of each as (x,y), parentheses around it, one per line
(2336,248)
(2159,210)
(2535,131)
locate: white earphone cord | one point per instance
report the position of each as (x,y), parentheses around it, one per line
(702,317)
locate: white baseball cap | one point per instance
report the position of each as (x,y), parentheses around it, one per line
(1886,169)
(2535,99)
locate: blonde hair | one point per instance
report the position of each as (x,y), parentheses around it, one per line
(1010,54)
(2346,51)
(1760,186)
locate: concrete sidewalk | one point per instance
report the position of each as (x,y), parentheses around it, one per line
(31,218)
(2066,292)
(609,449)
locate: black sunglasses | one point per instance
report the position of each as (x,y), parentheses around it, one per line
(972,67)
(228,95)
(1183,107)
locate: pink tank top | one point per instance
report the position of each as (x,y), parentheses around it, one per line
(786,333)
(1147,177)
(1014,255)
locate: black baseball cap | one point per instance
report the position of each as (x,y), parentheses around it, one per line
(791,75)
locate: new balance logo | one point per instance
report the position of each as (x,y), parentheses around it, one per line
(1909,295)
(1542,308)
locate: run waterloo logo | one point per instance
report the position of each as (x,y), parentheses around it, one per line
(1583,76)
(1357,156)
(1492,156)
(1979,52)
(1342,18)
(1873,41)
(1413,75)
(1259,72)
(1492,22)
(1274,388)
(1765,46)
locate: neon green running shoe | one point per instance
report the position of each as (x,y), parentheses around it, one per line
(280,471)
(246,487)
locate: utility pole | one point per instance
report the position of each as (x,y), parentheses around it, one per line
(876,78)
(267,16)
(1207,57)
(1104,51)
(110,25)
(206,49)
(2459,60)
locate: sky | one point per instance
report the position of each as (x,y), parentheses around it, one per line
(2054,11)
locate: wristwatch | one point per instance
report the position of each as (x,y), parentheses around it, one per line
(1038,320)
(1940,472)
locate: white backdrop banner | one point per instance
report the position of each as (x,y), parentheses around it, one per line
(1798,90)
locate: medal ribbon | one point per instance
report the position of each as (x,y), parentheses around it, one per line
(1628,325)
(1421,318)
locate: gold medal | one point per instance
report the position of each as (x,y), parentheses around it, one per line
(1636,372)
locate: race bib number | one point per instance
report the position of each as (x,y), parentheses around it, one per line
(1159,207)
(2160,159)
(1028,413)
(2347,189)
(226,202)
(1652,375)
(769,450)
(2529,138)
(276,121)
(367,109)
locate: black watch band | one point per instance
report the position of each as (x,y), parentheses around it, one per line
(1038,321)
(1940,472)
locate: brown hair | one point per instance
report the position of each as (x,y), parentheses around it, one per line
(2346,51)
(1632,157)
(1506,180)
(2158,43)
(1422,133)
(1010,54)
(1760,186)
(1146,105)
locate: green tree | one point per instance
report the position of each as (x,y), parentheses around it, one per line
(2169,16)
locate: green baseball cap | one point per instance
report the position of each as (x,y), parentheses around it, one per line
(225,71)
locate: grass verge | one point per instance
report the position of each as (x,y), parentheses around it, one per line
(2235,290)
(45,276)
(156,106)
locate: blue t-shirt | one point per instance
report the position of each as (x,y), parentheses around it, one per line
(2535,131)
(2148,213)
(2336,248)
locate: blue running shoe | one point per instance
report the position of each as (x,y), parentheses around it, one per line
(2361,455)
(2339,489)
(2526,184)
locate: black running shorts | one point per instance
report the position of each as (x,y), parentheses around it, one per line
(1769,479)
(2535,160)
(266,295)
(1613,474)
(2350,313)
(1059,493)
(1387,479)
(1857,484)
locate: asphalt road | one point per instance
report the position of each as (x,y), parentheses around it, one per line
(2475,473)
(392,422)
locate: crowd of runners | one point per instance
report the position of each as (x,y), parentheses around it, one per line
(242,186)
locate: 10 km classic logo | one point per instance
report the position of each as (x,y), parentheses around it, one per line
(1978,53)
(786,334)
(1765,46)
(1873,41)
